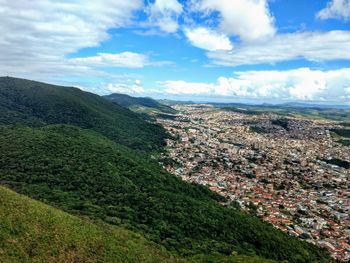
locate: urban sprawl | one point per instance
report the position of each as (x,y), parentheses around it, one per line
(284,170)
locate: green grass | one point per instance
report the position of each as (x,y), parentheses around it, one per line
(31,231)
(217,258)
(145,110)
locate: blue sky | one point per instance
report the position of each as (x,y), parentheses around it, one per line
(214,50)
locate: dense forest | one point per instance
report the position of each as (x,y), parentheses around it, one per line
(33,232)
(36,104)
(84,173)
(341,135)
(54,148)
(342,132)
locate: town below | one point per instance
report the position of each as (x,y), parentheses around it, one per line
(290,171)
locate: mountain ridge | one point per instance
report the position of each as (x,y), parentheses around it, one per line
(140,104)
(86,171)
(36,103)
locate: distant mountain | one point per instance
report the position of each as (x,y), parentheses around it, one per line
(35,104)
(312,105)
(34,232)
(174,102)
(287,105)
(261,105)
(146,105)
(310,111)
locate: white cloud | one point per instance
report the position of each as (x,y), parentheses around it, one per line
(53,28)
(124,59)
(36,36)
(297,84)
(182,87)
(164,14)
(249,19)
(312,46)
(207,39)
(253,23)
(134,89)
(339,9)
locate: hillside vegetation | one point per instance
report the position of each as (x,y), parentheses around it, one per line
(34,104)
(33,232)
(143,105)
(84,173)
(341,136)
(82,154)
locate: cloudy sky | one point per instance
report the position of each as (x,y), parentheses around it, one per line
(214,50)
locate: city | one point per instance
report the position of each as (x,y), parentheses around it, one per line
(284,170)
(175,131)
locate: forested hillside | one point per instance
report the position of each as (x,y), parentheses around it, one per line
(33,232)
(139,104)
(84,173)
(34,104)
(80,153)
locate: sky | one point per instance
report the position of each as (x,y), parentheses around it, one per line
(202,50)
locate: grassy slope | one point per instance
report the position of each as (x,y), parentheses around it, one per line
(83,172)
(34,103)
(33,232)
(147,105)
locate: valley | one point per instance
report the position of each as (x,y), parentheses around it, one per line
(289,171)
(96,160)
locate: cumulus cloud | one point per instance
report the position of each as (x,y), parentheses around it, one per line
(208,39)
(125,88)
(180,87)
(338,9)
(297,84)
(124,59)
(36,36)
(312,46)
(164,15)
(56,28)
(249,19)
(253,23)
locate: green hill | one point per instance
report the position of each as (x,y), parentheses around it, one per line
(84,173)
(36,104)
(144,105)
(33,232)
